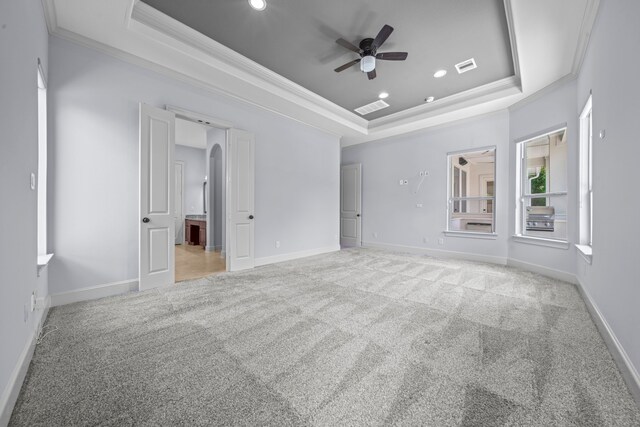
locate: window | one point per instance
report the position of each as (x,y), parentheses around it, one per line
(542,212)
(471,193)
(586,166)
(42,163)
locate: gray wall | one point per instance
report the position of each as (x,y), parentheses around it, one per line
(195,161)
(389,209)
(94,210)
(612,279)
(555,107)
(610,70)
(23,39)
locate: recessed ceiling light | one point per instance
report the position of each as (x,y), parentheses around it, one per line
(430,99)
(258,4)
(440,73)
(383,95)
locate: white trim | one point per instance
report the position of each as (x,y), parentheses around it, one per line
(589,18)
(240,66)
(508,8)
(294,255)
(545,271)
(12,390)
(200,118)
(620,356)
(530,240)
(94,292)
(441,253)
(542,92)
(586,252)
(471,234)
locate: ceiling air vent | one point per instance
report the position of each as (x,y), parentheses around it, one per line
(370,108)
(468,65)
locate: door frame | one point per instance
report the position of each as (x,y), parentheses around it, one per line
(181,163)
(358,218)
(193,116)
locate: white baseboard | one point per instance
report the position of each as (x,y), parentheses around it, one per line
(438,253)
(94,292)
(294,255)
(620,356)
(10,394)
(545,271)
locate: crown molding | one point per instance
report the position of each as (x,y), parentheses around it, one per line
(137,33)
(50,15)
(589,18)
(240,66)
(508,9)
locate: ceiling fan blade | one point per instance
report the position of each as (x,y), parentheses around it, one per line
(382,36)
(371,74)
(347,65)
(392,56)
(350,46)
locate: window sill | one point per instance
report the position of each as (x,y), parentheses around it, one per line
(586,252)
(43,261)
(471,234)
(551,243)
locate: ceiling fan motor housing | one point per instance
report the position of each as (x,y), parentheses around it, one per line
(367,47)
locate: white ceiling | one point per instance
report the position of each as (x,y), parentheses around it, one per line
(548,38)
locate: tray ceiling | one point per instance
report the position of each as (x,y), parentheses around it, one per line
(296,39)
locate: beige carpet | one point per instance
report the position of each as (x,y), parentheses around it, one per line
(358,337)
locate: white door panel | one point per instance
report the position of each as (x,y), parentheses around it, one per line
(350,205)
(241,181)
(157,188)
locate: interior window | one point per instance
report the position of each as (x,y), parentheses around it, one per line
(472,191)
(543,186)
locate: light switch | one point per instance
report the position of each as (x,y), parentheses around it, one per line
(33,181)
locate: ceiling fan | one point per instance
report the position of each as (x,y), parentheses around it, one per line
(368,52)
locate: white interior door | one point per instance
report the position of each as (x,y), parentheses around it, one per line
(178,215)
(350,205)
(240,200)
(157,179)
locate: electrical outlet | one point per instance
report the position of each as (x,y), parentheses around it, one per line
(441,241)
(401,182)
(277,243)
(405,182)
(418,205)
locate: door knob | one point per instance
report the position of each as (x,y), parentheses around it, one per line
(358,215)
(250,216)
(145,220)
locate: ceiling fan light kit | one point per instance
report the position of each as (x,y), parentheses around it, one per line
(368,64)
(368,51)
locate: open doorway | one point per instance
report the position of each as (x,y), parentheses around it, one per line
(199,195)
(233,186)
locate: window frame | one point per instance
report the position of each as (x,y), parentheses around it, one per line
(585,181)
(522,195)
(451,200)
(43,257)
